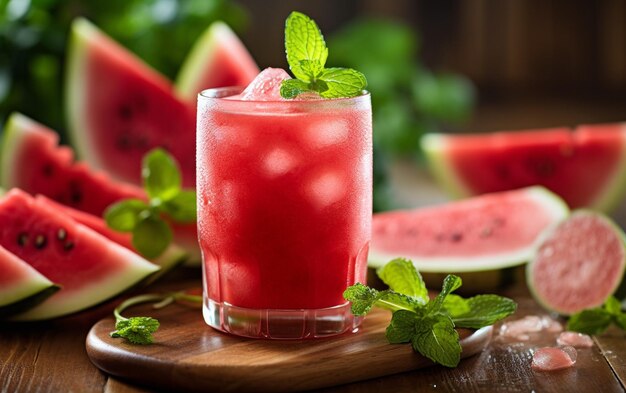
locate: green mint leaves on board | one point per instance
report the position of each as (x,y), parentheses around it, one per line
(429,325)
(594,321)
(151,232)
(306,55)
(139,330)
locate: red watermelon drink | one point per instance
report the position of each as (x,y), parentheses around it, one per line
(284,208)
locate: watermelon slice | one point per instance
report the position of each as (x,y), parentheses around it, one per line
(89,267)
(21,286)
(170,258)
(32,161)
(586,167)
(488,232)
(579,264)
(218,59)
(119,108)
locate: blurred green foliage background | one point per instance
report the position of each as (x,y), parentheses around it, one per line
(408,99)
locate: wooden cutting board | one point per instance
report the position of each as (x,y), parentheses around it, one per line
(190,356)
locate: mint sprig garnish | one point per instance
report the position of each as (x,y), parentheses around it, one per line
(148,221)
(595,321)
(306,54)
(429,325)
(139,330)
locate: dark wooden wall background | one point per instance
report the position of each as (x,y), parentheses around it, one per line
(561,54)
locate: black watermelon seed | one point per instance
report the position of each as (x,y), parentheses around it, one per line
(456,237)
(61,234)
(22,239)
(47,170)
(40,242)
(126,112)
(68,246)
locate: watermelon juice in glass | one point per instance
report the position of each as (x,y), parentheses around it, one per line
(284,208)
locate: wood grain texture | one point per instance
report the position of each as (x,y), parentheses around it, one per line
(190,356)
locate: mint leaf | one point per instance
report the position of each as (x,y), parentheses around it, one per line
(161,175)
(182,207)
(455,305)
(305,47)
(123,216)
(613,306)
(401,276)
(291,88)
(450,284)
(620,320)
(437,340)
(137,330)
(483,310)
(342,82)
(402,328)
(363,298)
(151,236)
(592,321)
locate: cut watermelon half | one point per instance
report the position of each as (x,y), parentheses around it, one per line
(89,267)
(119,108)
(21,286)
(217,59)
(587,168)
(33,161)
(579,264)
(488,232)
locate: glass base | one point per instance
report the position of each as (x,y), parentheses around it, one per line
(280,324)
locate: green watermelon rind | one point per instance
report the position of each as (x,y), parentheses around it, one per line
(28,302)
(443,171)
(81,33)
(552,204)
(546,235)
(202,54)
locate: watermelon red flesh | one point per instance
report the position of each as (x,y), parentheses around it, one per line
(119,108)
(33,162)
(586,167)
(19,281)
(579,265)
(483,233)
(218,59)
(89,267)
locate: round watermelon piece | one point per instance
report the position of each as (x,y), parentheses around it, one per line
(89,267)
(579,264)
(119,108)
(217,59)
(21,286)
(586,167)
(487,232)
(33,161)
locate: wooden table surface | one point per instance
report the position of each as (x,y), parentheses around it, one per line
(51,357)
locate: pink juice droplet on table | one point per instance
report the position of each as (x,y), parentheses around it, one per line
(552,358)
(575,339)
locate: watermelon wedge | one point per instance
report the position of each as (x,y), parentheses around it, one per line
(488,232)
(218,59)
(587,167)
(89,267)
(32,161)
(119,108)
(21,286)
(170,258)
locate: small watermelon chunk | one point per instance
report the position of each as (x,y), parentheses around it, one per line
(217,59)
(33,162)
(119,108)
(587,168)
(579,264)
(487,232)
(21,286)
(89,267)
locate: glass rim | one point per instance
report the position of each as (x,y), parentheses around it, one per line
(218,96)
